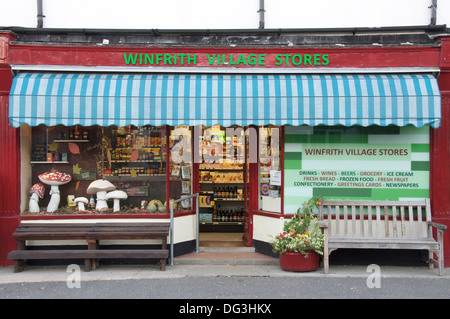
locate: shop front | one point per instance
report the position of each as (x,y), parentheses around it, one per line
(254,131)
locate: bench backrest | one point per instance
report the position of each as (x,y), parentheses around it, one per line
(377,219)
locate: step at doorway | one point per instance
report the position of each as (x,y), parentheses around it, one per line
(224,249)
(222,242)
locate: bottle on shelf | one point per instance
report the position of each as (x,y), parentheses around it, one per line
(219,215)
(214,216)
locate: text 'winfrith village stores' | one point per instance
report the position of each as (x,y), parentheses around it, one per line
(229,59)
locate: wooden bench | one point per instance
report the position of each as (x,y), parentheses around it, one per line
(381,225)
(92,233)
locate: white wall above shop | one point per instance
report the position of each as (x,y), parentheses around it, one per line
(221,14)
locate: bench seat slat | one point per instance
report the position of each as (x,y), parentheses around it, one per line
(85,253)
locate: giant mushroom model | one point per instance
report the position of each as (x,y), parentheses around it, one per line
(54,179)
(116,195)
(100,187)
(37,191)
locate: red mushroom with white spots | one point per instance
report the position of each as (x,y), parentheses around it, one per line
(37,191)
(54,179)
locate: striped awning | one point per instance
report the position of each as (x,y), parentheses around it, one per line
(160,99)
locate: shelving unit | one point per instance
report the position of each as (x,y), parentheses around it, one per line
(135,161)
(221,185)
(48,162)
(71,141)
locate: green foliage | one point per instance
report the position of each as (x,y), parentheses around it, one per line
(301,233)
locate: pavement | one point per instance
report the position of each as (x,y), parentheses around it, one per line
(126,272)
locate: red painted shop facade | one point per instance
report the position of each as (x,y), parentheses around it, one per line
(178,69)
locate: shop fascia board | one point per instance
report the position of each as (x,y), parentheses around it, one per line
(215,70)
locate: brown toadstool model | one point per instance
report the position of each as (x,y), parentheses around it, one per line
(54,179)
(37,191)
(100,187)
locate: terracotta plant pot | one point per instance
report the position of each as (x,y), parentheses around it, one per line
(294,261)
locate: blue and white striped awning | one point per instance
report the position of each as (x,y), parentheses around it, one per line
(159,99)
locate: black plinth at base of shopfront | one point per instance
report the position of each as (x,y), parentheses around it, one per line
(230,227)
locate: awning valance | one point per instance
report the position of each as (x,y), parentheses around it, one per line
(159,99)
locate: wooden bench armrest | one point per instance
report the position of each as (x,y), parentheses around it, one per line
(437,225)
(323,224)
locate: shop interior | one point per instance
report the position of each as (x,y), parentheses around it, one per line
(145,168)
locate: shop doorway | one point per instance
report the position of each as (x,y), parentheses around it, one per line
(223,186)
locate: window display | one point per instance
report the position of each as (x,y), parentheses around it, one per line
(105,169)
(180,165)
(135,161)
(64,161)
(269,169)
(139,170)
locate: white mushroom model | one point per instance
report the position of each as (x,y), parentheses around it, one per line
(37,191)
(100,187)
(54,179)
(80,201)
(116,196)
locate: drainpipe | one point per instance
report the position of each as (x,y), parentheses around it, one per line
(40,15)
(261,14)
(433,12)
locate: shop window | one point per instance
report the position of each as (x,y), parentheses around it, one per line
(180,160)
(355,163)
(135,161)
(269,169)
(132,160)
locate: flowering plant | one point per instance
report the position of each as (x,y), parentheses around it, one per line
(301,233)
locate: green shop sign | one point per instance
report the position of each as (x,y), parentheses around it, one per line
(226,59)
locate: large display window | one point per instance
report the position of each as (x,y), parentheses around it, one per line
(103,170)
(356,163)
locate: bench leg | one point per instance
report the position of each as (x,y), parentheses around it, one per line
(326,265)
(162,264)
(430,258)
(18,265)
(93,263)
(87,264)
(440,238)
(326,252)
